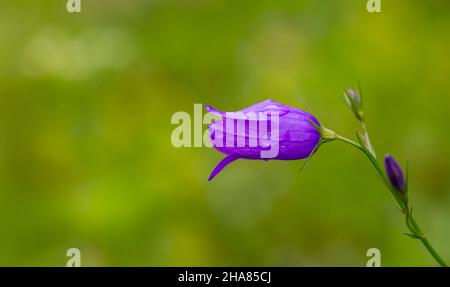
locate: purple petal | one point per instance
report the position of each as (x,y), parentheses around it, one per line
(223,163)
(214,111)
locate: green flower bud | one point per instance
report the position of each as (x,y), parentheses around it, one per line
(353,99)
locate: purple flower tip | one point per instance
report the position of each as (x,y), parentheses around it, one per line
(394,173)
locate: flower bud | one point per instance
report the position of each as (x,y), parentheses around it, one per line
(353,100)
(394,173)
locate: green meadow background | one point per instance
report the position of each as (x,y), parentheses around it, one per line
(86,159)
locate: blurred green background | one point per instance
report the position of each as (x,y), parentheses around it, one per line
(86,159)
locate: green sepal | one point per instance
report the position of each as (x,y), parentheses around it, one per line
(326,135)
(305,164)
(413,236)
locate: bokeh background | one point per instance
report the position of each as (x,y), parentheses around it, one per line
(86,159)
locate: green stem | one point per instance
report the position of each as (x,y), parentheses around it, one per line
(417,231)
(411,222)
(433,252)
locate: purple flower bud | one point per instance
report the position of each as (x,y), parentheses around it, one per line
(267,130)
(394,173)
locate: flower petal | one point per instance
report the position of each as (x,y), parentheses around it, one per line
(214,111)
(223,163)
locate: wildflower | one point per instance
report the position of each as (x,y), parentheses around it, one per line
(267,130)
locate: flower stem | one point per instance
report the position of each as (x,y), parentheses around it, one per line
(411,222)
(433,252)
(415,229)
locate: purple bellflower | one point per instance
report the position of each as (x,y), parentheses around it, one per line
(267,130)
(394,173)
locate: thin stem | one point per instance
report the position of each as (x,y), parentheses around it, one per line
(375,164)
(433,252)
(349,141)
(415,229)
(411,222)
